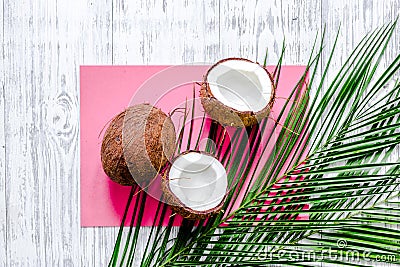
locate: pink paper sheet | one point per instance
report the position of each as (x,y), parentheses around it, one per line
(106,91)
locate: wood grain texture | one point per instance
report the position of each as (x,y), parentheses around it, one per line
(356,19)
(41,118)
(3,211)
(45,42)
(165,32)
(20,114)
(249,28)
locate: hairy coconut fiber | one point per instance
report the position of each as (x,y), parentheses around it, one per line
(137,144)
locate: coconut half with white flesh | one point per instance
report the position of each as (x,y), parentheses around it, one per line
(237,92)
(195,185)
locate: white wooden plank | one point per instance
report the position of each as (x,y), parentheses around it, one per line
(72,39)
(46,42)
(165,32)
(31,159)
(95,32)
(301,23)
(357,18)
(249,28)
(18,118)
(3,211)
(19,122)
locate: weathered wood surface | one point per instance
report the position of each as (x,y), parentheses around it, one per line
(45,42)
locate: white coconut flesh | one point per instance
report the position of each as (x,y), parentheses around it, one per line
(240,84)
(198,180)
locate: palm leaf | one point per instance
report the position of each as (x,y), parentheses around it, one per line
(340,173)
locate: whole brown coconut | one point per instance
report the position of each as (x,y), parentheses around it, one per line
(137,144)
(195,185)
(237,92)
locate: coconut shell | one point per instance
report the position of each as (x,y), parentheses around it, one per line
(112,157)
(227,115)
(137,145)
(177,206)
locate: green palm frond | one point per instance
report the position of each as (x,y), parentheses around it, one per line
(371,237)
(334,174)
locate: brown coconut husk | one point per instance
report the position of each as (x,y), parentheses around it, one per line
(112,157)
(176,205)
(137,145)
(229,116)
